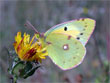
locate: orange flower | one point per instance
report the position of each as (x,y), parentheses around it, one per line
(28,50)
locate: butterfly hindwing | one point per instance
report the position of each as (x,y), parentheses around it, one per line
(64,50)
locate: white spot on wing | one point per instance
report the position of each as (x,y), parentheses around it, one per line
(65,47)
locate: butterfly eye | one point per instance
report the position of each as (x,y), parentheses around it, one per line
(65,28)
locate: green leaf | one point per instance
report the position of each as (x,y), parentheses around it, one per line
(28,66)
(31,72)
(23,70)
(18,68)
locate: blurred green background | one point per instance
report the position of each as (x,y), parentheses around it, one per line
(45,14)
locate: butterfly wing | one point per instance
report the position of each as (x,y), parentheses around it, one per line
(64,50)
(80,29)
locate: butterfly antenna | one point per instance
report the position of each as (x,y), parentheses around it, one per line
(30,26)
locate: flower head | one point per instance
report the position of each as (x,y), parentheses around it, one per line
(27,49)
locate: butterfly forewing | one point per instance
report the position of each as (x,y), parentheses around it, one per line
(80,29)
